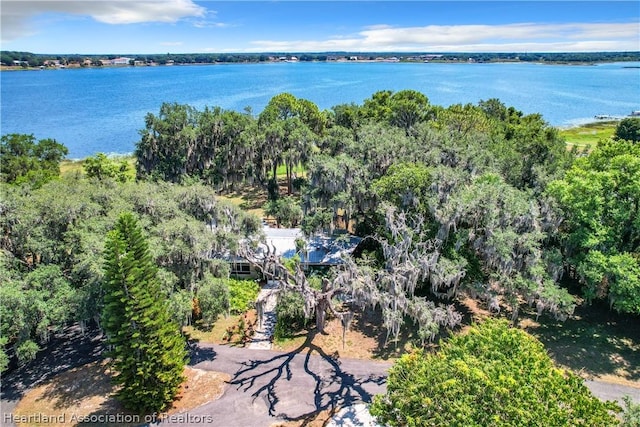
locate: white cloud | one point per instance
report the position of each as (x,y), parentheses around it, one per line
(474,38)
(211,24)
(16,14)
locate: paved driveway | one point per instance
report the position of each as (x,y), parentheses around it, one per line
(268,386)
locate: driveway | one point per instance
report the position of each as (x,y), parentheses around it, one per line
(266,386)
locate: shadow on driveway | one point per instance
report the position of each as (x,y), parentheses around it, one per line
(289,382)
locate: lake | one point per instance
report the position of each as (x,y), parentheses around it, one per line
(102,110)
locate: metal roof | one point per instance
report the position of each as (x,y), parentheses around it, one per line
(321,249)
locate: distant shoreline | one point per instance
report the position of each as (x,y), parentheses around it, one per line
(338,61)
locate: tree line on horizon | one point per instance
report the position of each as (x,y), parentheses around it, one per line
(29,59)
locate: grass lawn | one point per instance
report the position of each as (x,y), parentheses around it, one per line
(249,199)
(216,334)
(594,343)
(299,170)
(70,167)
(588,135)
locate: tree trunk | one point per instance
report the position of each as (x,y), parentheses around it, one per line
(321,314)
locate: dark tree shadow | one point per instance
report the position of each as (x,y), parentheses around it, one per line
(199,354)
(66,350)
(77,384)
(332,386)
(594,341)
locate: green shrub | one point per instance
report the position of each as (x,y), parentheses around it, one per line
(242,295)
(4,357)
(213,298)
(27,351)
(631,413)
(290,316)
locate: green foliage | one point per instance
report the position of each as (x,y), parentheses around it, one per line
(26,161)
(404,185)
(213,298)
(628,129)
(286,211)
(100,167)
(181,307)
(290,317)
(4,357)
(242,295)
(600,198)
(27,351)
(492,375)
(182,142)
(35,305)
(630,413)
(403,109)
(53,242)
(147,350)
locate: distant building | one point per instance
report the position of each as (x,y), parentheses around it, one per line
(121,61)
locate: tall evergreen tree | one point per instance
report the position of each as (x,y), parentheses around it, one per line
(147,350)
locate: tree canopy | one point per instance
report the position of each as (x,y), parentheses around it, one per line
(479,201)
(52,245)
(628,129)
(600,200)
(25,160)
(491,375)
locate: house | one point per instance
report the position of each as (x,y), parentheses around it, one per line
(121,61)
(320,251)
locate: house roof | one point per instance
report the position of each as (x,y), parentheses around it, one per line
(322,249)
(283,239)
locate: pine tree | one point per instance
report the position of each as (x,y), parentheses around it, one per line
(147,351)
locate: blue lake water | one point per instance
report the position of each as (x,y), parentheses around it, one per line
(102,110)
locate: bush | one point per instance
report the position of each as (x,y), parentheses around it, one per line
(286,211)
(290,316)
(4,357)
(242,295)
(27,351)
(631,413)
(213,299)
(628,129)
(492,376)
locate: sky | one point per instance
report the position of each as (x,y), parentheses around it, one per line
(189,26)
